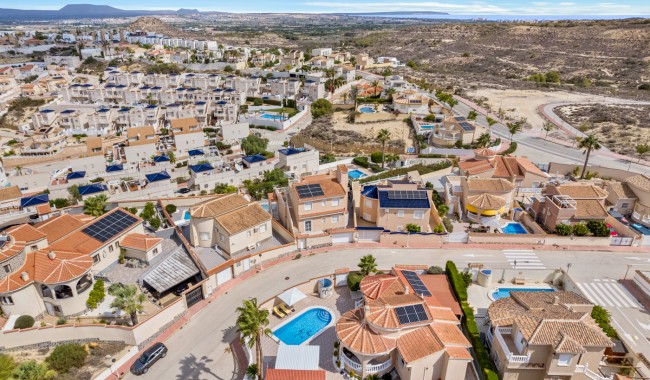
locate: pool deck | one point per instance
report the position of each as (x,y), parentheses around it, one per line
(338,303)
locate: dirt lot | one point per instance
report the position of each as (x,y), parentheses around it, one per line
(619,127)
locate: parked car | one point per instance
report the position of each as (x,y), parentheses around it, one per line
(148,358)
(184,190)
(180,289)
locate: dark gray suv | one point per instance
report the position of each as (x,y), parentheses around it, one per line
(148,358)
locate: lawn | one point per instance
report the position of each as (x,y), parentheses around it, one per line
(291,112)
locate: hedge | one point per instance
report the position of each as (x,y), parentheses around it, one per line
(265,101)
(422,169)
(436,155)
(67,356)
(24,322)
(456,280)
(510,150)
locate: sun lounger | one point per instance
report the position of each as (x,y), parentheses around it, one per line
(285,309)
(279,313)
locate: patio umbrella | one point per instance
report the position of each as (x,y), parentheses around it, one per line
(292,296)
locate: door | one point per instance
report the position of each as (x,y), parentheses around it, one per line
(193,296)
(307,225)
(247,264)
(49,308)
(224,276)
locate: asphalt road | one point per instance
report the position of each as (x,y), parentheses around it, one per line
(198,351)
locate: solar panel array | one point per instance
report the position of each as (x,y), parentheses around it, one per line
(416,283)
(109,226)
(310,191)
(411,314)
(407,194)
(466,126)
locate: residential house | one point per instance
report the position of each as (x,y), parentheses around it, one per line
(395,205)
(640,185)
(313,90)
(485,199)
(321,62)
(234,133)
(188,135)
(294,58)
(545,335)
(411,102)
(321,51)
(486,163)
(452,130)
(230,222)
(620,197)
(409,323)
(569,204)
(141,247)
(299,161)
(141,145)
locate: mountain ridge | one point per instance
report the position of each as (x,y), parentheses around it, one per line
(80,11)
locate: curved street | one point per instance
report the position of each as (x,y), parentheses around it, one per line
(200,350)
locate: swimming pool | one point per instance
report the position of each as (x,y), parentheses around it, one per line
(514,229)
(367,110)
(304,327)
(641,228)
(271,116)
(356,174)
(505,292)
(426,126)
(186,215)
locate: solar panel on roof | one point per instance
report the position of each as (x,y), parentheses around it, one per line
(407,194)
(417,284)
(109,226)
(310,191)
(466,126)
(411,314)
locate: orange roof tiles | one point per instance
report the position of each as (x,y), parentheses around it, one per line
(26,233)
(449,334)
(54,267)
(10,193)
(59,226)
(418,344)
(294,374)
(331,187)
(11,249)
(15,280)
(381,284)
(458,353)
(43,209)
(140,242)
(243,218)
(441,292)
(353,331)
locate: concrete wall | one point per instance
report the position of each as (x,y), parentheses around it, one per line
(563,241)
(529,223)
(155,324)
(566,169)
(38,335)
(405,239)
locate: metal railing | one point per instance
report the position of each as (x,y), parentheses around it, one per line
(512,358)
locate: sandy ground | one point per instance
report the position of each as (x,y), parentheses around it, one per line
(524,103)
(399,130)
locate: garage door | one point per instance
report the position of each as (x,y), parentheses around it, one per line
(371,235)
(224,275)
(342,238)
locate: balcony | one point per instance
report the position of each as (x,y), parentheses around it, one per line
(591,374)
(504,337)
(371,367)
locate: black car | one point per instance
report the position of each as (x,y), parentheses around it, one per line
(184,190)
(180,289)
(148,358)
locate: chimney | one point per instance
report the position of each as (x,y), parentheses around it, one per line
(556,300)
(51,255)
(24,276)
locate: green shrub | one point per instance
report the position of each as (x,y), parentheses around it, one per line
(645,86)
(435,270)
(376,157)
(61,321)
(96,295)
(598,228)
(448,226)
(24,322)
(439,229)
(361,161)
(155,222)
(481,352)
(563,229)
(354,280)
(7,365)
(457,281)
(601,316)
(321,107)
(66,356)
(412,228)
(170,208)
(510,150)
(580,229)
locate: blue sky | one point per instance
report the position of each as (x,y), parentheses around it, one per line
(457,7)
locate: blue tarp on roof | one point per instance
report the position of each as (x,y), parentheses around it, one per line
(163,175)
(370,191)
(253,159)
(195,152)
(34,200)
(386,202)
(75,175)
(290,151)
(204,167)
(92,189)
(162,158)
(114,168)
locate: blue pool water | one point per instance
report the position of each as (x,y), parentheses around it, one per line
(641,228)
(426,126)
(356,174)
(367,110)
(514,228)
(186,215)
(505,292)
(304,326)
(271,116)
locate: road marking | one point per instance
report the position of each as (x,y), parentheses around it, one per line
(608,292)
(523,259)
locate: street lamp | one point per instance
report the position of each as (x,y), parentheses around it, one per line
(568,266)
(628,269)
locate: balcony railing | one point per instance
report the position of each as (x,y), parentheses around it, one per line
(375,368)
(591,374)
(512,358)
(351,363)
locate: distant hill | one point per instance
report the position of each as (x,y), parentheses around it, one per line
(79,11)
(393,14)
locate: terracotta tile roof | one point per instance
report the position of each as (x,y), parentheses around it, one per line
(15,280)
(486,201)
(622,189)
(476,166)
(218,206)
(11,249)
(342,168)
(355,334)
(342,271)
(443,314)
(450,335)
(381,312)
(418,344)
(140,132)
(294,374)
(580,191)
(25,233)
(43,209)
(140,242)
(484,152)
(10,193)
(489,184)
(442,294)
(186,125)
(590,208)
(243,218)
(59,226)
(52,267)
(458,353)
(330,186)
(582,335)
(640,181)
(381,284)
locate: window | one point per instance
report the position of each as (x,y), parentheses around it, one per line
(307,225)
(263,228)
(368,203)
(33,247)
(204,236)
(96,259)
(400,213)
(323,202)
(57,308)
(400,228)
(110,248)
(335,218)
(625,205)
(249,233)
(7,300)
(307,206)
(221,237)
(564,360)
(335,202)
(155,251)
(7,268)
(419,214)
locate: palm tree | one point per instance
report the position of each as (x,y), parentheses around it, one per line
(390,92)
(375,85)
(80,46)
(19,170)
(513,128)
(548,126)
(251,371)
(354,92)
(642,150)
(128,300)
(95,206)
(452,102)
(383,137)
(172,158)
(251,325)
(588,143)
(490,121)
(367,265)
(483,140)
(345,97)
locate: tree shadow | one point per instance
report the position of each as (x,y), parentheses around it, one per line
(192,367)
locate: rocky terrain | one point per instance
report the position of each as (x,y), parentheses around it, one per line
(155,24)
(620,128)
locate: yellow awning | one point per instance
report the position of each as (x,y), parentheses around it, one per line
(473,209)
